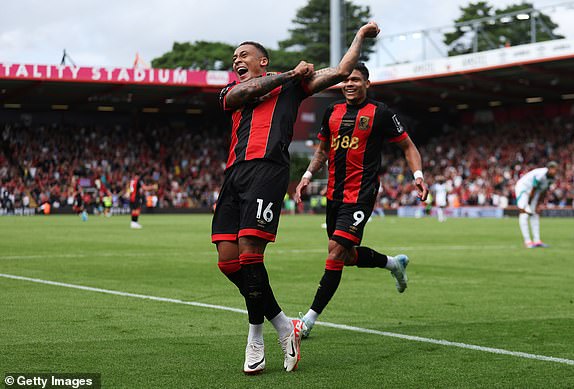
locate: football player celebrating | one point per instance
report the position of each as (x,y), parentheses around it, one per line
(263,108)
(351,138)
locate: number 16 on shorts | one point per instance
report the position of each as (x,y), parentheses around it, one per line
(266,212)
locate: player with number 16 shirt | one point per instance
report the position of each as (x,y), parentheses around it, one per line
(262,108)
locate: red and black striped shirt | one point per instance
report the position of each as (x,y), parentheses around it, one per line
(135,188)
(355,134)
(263,129)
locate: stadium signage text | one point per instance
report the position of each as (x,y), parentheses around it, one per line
(504,57)
(471,212)
(181,77)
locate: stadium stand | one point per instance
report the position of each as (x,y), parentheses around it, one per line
(481,162)
(37,164)
(480,120)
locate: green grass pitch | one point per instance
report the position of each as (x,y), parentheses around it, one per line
(471,281)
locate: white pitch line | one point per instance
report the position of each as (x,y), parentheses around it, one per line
(125,294)
(448,343)
(326,324)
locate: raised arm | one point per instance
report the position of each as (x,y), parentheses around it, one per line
(414,161)
(327,77)
(247,91)
(316,164)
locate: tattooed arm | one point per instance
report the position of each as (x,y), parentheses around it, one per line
(319,159)
(327,77)
(245,92)
(316,164)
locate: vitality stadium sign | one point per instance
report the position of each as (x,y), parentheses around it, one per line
(179,77)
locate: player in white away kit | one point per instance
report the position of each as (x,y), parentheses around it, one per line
(530,190)
(440,194)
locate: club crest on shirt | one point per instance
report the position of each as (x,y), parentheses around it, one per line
(364,122)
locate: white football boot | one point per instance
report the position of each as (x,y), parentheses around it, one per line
(254,358)
(291,345)
(400,272)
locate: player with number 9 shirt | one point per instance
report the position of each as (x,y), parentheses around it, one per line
(351,137)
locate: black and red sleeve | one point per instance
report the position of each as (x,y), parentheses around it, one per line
(300,88)
(305,87)
(391,125)
(325,132)
(223,94)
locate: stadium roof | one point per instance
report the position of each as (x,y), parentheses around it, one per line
(510,85)
(540,72)
(118,89)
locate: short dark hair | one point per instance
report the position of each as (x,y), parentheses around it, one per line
(258,46)
(361,67)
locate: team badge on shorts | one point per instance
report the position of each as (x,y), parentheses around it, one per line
(364,122)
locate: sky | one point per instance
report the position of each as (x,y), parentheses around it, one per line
(110,32)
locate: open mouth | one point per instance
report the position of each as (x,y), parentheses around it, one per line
(241,70)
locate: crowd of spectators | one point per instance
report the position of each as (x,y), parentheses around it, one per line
(479,162)
(40,164)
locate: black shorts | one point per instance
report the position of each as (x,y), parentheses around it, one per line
(346,222)
(137,203)
(250,201)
